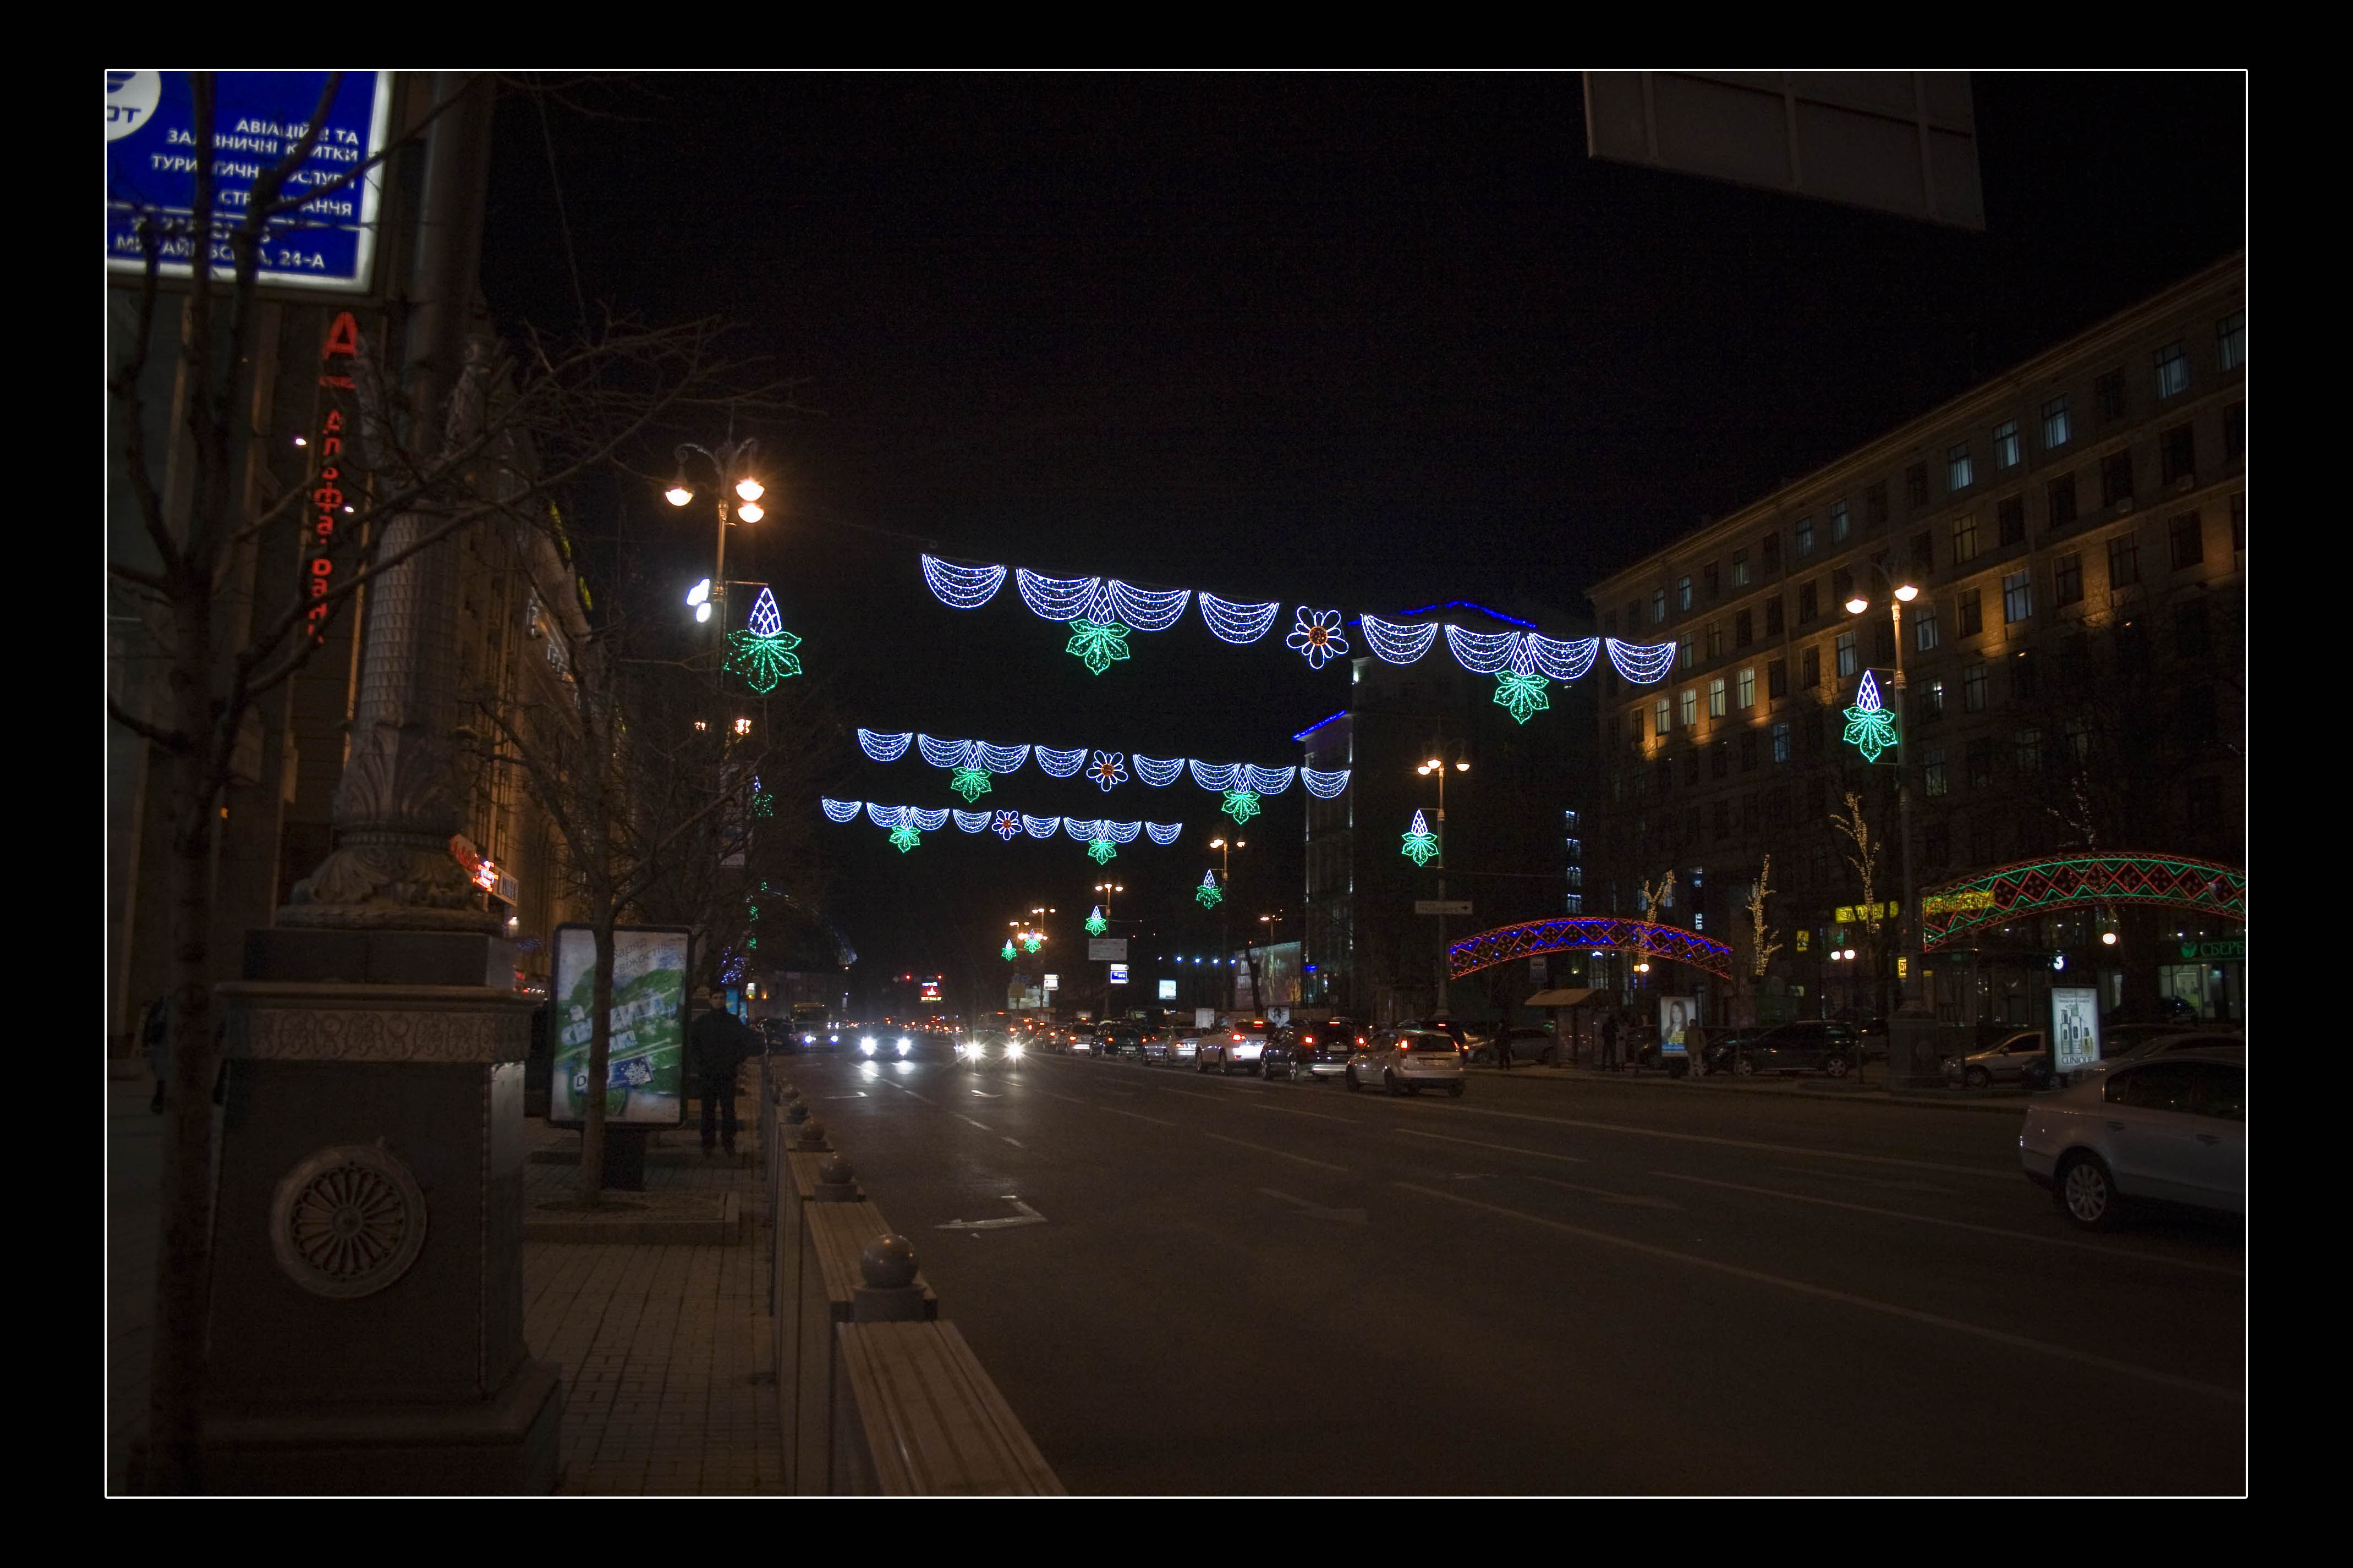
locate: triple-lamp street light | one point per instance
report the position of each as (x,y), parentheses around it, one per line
(1907,927)
(1225,849)
(732,461)
(1436,766)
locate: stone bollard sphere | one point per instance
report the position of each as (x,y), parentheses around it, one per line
(796,1114)
(888,1263)
(812,1134)
(835,1172)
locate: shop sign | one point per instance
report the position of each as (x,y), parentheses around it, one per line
(2231,950)
(1967,902)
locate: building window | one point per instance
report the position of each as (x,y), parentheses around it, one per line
(1658,607)
(1932,700)
(2026,749)
(2005,444)
(1804,536)
(1809,608)
(1847,660)
(1688,659)
(2067,580)
(2108,396)
(2075,739)
(1715,697)
(1740,568)
(1959,472)
(2116,477)
(2010,520)
(1634,726)
(1932,773)
(1683,593)
(1691,771)
(2056,430)
(1924,552)
(1841,586)
(1875,505)
(1782,741)
(2176,453)
(1979,762)
(2230,340)
(2234,432)
(1915,486)
(1810,666)
(1973,689)
(2017,596)
(1924,626)
(2187,536)
(1709,580)
(2124,562)
(1688,705)
(1773,617)
(1659,719)
(1748,755)
(1841,525)
(1972,616)
(1772,553)
(1745,687)
(2172,372)
(1744,628)
(1719,760)
(2023,667)
(1777,678)
(2059,494)
(1965,538)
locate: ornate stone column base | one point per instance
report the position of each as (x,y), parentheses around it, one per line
(366,1321)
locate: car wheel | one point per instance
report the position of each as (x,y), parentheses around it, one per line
(2085,1193)
(1744,1066)
(1977,1078)
(1389,1081)
(1836,1067)
(1354,1086)
(1454,1091)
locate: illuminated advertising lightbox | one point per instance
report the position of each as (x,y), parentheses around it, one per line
(1169,990)
(1118,975)
(2074,1026)
(644,1076)
(1676,1014)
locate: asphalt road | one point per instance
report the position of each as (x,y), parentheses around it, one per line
(1562,1286)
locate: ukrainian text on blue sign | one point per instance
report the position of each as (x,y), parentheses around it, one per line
(257,118)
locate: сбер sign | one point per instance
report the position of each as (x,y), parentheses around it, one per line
(257,117)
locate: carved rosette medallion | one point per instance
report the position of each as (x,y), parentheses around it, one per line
(347,1221)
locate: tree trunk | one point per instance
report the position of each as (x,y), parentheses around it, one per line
(600,1057)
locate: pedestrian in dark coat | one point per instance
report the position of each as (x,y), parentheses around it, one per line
(716,1045)
(1609,1042)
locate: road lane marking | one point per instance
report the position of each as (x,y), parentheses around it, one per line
(1015,1141)
(902,1089)
(1339,1217)
(1505,1148)
(1982,1170)
(1318,1115)
(969,1121)
(1634,1200)
(1278,1153)
(1959,1225)
(1823,1292)
(1866,1181)
(1069,1099)
(1027,1217)
(1190,1093)
(985,1095)
(1115,1110)
(859,1095)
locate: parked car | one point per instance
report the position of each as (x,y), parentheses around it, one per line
(2173,1129)
(2005,1061)
(1161,1047)
(1528,1045)
(1725,1047)
(1809,1045)
(2145,1043)
(1281,1057)
(1326,1046)
(1120,1040)
(1235,1048)
(1406,1061)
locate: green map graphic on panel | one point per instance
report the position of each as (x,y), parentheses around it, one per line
(645,1081)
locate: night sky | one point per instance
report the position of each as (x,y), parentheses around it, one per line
(1356,342)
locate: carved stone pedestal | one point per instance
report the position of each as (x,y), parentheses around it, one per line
(366,1329)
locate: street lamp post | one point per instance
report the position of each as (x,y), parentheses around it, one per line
(1224,918)
(1438,767)
(739,493)
(1907,920)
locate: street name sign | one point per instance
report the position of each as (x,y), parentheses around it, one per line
(1106,949)
(1441,906)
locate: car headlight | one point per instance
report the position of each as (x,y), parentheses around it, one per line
(867,1045)
(809,1039)
(905,1045)
(1014,1049)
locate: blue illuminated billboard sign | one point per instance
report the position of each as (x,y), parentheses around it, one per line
(257,118)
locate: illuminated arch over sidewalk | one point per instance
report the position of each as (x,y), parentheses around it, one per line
(2014,892)
(1587,933)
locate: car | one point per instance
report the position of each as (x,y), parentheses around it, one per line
(1281,1057)
(1327,1044)
(817,1034)
(2170,1129)
(1807,1044)
(1236,1048)
(2144,1046)
(886,1044)
(1528,1045)
(1461,1034)
(2005,1061)
(986,1045)
(1406,1061)
(1120,1040)
(1724,1049)
(1160,1048)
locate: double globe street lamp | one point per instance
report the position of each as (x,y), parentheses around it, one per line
(1437,767)
(1907,927)
(738,500)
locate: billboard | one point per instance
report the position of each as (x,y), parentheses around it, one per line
(644,1077)
(2074,1026)
(1106,949)
(259,118)
(1676,1014)
(1118,975)
(1169,990)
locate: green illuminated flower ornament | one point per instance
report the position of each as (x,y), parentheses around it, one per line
(764,805)
(1009,951)
(764,655)
(1209,892)
(1242,804)
(1870,726)
(1522,694)
(1032,942)
(1420,844)
(1097,644)
(1102,849)
(905,837)
(1096,924)
(970,783)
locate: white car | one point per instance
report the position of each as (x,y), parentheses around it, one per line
(2149,1047)
(2172,1129)
(1406,1061)
(1237,1048)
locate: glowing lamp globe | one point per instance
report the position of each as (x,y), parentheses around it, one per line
(749,513)
(750,490)
(678,495)
(1857,604)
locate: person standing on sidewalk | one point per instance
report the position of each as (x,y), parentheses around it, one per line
(1504,1049)
(1610,1041)
(1695,1049)
(716,1047)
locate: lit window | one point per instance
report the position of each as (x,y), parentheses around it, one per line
(1689,657)
(2056,430)
(1781,743)
(1658,607)
(1748,686)
(2005,444)
(1715,697)
(1925,631)
(1740,568)
(1848,663)
(1659,719)
(1973,689)
(1965,538)
(1959,472)
(1932,772)
(1932,699)
(1841,524)
(2230,340)
(2017,596)
(1804,536)
(1689,706)
(1683,593)
(2172,371)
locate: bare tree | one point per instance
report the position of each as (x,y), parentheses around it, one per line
(1861,854)
(417,468)
(1761,945)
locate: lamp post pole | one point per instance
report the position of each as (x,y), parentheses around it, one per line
(1225,912)
(1438,766)
(731,461)
(1907,918)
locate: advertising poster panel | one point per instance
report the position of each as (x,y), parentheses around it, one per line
(646,1076)
(1676,1014)
(2074,1026)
